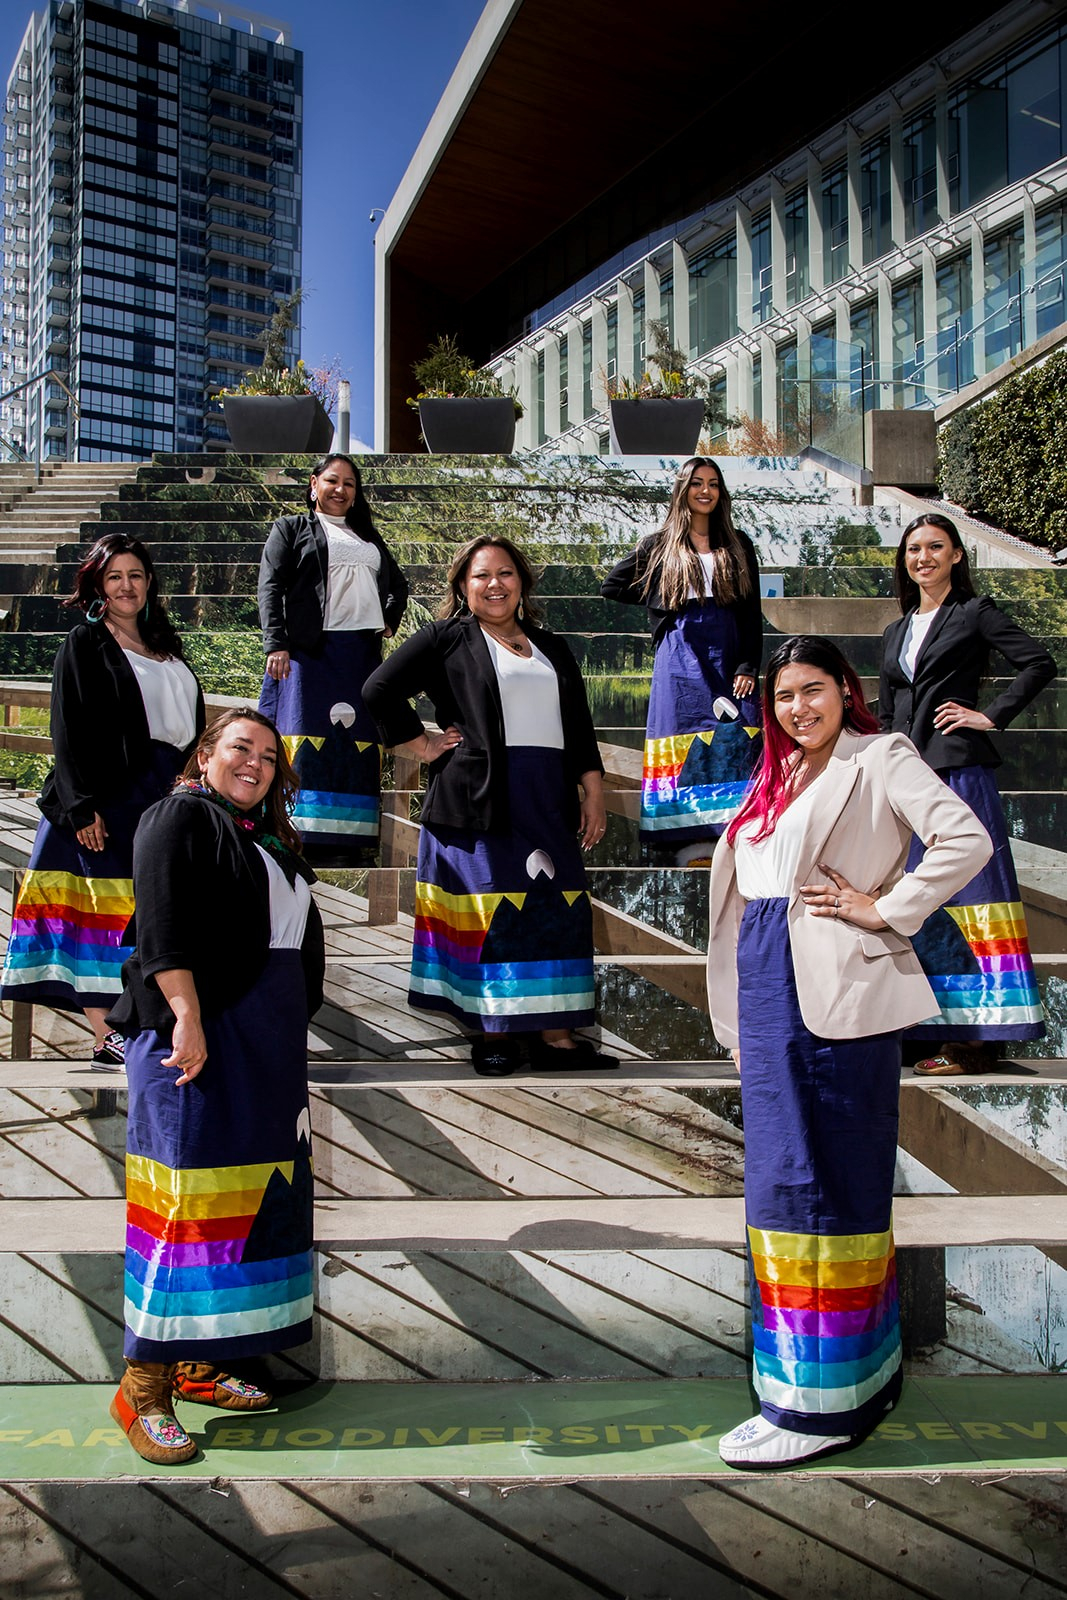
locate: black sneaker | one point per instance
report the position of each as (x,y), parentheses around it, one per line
(110,1054)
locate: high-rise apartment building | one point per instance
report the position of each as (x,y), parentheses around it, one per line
(152,198)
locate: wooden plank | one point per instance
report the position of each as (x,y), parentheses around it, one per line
(495,1129)
(316,1554)
(923,1554)
(551,1224)
(452,1546)
(42,1560)
(754,1543)
(113,1531)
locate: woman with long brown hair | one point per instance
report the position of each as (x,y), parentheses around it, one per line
(228,968)
(698,580)
(125,712)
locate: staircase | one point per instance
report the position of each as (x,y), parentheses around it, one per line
(539,1284)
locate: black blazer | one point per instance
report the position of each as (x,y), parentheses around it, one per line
(626,583)
(292,584)
(450,663)
(203,904)
(99,727)
(951,664)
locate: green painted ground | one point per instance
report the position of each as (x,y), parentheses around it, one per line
(525,1430)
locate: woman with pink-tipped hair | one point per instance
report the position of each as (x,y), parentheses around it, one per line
(811,973)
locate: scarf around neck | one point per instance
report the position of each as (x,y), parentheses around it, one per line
(292,865)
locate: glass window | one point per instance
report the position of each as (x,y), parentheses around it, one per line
(587,369)
(835,222)
(713,296)
(789,405)
(863,358)
(1049,268)
(875,208)
(639,331)
(907,340)
(955,347)
(796,246)
(761,266)
(920,172)
(1003,308)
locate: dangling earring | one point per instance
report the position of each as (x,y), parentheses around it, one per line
(848,702)
(520,610)
(96,611)
(461,608)
(144,613)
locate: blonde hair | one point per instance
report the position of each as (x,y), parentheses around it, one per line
(676,563)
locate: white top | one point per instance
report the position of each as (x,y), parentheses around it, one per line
(353,564)
(168,690)
(707,561)
(529,693)
(289,905)
(918,628)
(765,871)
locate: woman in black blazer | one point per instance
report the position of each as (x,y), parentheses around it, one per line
(126,709)
(975,951)
(227,971)
(503,921)
(329,591)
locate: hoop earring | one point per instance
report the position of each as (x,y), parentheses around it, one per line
(520,611)
(96,611)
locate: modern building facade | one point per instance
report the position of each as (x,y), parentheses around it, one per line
(811,266)
(152,216)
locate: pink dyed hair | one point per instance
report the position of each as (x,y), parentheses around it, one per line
(769,794)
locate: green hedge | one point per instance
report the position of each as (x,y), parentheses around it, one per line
(1006,459)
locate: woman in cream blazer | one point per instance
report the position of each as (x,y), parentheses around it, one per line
(811,974)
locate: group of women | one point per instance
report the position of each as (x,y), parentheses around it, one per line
(862,885)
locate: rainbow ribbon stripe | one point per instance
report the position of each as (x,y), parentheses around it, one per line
(447,968)
(67,931)
(323,811)
(667,804)
(1004,990)
(826,1331)
(186,1233)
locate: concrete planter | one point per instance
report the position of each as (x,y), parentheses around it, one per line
(263,424)
(664,427)
(469,427)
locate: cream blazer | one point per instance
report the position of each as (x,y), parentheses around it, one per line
(875,793)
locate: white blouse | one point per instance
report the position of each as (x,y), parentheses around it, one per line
(529,693)
(289,905)
(914,638)
(168,690)
(707,561)
(765,871)
(353,564)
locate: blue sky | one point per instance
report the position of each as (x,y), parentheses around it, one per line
(374,71)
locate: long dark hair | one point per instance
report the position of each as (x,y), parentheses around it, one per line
(454,604)
(155,628)
(906,589)
(772,784)
(672,555)
(358,515)
(281,797)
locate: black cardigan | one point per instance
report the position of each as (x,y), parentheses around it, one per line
(99,727)
(203,904)
(292,584)
(450,663)
(951,664)
(626,584)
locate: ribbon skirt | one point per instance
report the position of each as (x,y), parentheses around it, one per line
(820,1118)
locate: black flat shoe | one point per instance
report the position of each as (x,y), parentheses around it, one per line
(495,1057)
(584,1057)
